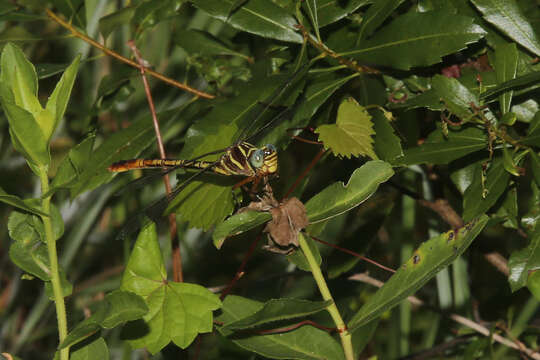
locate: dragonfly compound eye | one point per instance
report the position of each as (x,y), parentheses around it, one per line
(257,158)
(269,149)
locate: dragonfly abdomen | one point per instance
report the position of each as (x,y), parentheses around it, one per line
(133,164)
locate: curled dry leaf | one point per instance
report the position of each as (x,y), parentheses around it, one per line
(288,219)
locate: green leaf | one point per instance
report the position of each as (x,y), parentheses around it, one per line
(117,308)
(124,144)
(430,258)
(507,17)
(74,163)
(474,203)
(237,224)
(109,23)
(67,287)
(58,100)
(387,143)
(259,17)
(124,306)
(178,312)
(20,75)
(518,82)
(535,166)
(317,92)
(438,149)
(200,42)
(339,198)
(310,7)
(506,59)
(203,203)
(95,350)
(362,335)
(375,16)
(524,261)
(417,39)
(533,132)
(26,135)
(456,97)
(531,219)
(330,11)
(298,258)
(289,345)
(31,257)
(351,135)
(533,283)
(508,162)
(19,203)
(277,310)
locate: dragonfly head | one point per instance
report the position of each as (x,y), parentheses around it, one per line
(264,160)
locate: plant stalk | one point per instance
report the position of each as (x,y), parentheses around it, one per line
(346,340)
(53,260)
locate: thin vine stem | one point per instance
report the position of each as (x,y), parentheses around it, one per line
(346,339)
(53,260)
(125,60)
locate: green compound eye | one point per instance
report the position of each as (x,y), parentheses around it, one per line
(257,158)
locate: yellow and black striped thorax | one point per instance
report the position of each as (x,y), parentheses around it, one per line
(247,160)
(243,159)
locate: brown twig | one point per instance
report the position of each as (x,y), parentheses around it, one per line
(240,272)
(117,56)
(307,170)
(355,254)
(517,345)
(173,231)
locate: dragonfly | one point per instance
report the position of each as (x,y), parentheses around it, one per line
(241,159)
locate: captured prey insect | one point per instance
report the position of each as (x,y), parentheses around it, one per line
(239,159)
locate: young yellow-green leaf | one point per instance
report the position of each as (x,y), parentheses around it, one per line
(178,312)
(430,258)
(20,75)
(506,60)
(524,261)
(507,17)
(339,198)
(351,135)
(58,100)
(26,135)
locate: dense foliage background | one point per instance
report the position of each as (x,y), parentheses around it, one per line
(428,110)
